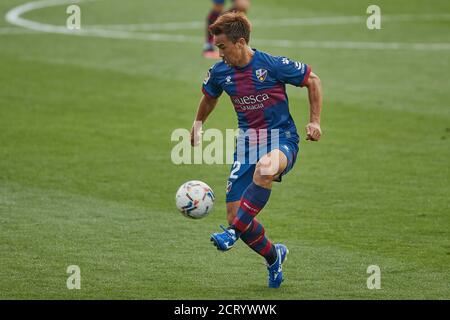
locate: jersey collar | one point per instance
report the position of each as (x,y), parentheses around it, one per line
(251,61)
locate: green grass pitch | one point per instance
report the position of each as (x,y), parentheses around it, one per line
(86,177)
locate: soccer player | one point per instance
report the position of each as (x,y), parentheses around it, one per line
(216,11)
(256,83)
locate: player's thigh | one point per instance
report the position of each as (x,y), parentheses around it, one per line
(290,150)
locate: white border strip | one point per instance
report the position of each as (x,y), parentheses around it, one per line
(14,30)
(14,16)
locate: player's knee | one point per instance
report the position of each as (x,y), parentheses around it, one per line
(266,168)
(262,177)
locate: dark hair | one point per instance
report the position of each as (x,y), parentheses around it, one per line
(234,25)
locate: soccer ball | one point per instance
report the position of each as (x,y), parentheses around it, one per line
(195,199)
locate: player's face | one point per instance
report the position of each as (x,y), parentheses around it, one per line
(231,53)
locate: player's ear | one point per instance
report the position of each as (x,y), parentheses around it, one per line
(242,43)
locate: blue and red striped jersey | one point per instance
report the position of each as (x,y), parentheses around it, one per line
(258,90)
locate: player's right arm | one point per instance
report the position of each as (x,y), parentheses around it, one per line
(211,93)
(205,107)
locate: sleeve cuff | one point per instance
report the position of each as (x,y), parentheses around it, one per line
(208,94)
(306,77)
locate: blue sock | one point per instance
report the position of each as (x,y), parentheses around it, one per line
(255,238)
(252,202)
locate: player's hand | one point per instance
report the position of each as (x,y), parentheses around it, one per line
(196,134)
(313,131)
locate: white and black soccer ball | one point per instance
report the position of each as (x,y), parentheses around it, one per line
(195,199)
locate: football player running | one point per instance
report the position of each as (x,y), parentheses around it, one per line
(256,83)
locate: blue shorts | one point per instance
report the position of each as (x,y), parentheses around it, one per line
(241,174)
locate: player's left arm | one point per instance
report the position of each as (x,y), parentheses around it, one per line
(314,86)
(299,74)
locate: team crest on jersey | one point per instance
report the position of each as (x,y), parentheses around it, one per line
(261,74)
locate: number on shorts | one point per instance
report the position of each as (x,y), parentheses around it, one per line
(236,167)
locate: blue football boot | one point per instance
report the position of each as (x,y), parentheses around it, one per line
(275,270)
(224,240)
